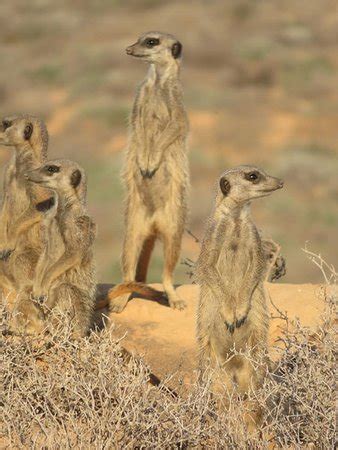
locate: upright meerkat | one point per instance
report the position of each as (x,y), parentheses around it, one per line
(65,278)
(156,171)
(19,229)
(232,311)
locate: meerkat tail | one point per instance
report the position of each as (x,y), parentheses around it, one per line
(126,288)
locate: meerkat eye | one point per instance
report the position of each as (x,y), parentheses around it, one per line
(152,42)
(6,124)
(53,169)
(252,176)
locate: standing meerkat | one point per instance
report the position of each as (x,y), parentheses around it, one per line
(65,276)
(232,311)
(19,229)
(156,171)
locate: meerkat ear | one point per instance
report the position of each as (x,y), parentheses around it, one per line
(75,178)
(225,186)
(27,132)
(176,49)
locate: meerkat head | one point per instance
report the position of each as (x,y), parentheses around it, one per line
(61,175)
(24,129)
(245,183)
(156,47)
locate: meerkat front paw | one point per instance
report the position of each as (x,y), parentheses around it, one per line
(118,304)
(151,172)
(230,326)
(40,298)
(5,254)
(148,173)
(240,322)
(38,295)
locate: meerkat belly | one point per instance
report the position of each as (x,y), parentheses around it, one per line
(160,191)
(225,344)
(234,262)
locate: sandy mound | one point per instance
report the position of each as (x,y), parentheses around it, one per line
(165,338)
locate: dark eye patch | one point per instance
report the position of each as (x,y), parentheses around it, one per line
(151,42)
(254,176)
(52,169)
(6,124)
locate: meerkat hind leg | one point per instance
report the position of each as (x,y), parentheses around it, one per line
(144,259)
(132,247)
(172,247)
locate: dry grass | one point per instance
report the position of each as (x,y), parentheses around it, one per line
(87,394)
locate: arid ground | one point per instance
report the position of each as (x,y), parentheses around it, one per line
(166,338)
(260,81)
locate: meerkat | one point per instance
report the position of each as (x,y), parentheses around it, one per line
(231,269)
(65,278)
(19,228)
(156,171)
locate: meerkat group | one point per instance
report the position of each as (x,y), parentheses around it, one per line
(47,235)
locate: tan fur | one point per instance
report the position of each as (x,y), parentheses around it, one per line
(65,279)
(20,231)
(28,316)
(128,288)
(232,310)
(156,169)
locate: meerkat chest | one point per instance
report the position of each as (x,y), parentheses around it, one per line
(239,250)
(152,107)
(53,239)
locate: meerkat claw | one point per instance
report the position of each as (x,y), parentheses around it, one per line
(40,298)
(240,322)
(151,173)
(230,327)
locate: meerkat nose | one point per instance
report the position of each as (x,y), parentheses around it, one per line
(281,183)
(129,50)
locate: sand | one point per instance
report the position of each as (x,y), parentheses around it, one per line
(165,338)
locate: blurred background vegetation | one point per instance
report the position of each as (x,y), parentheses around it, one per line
(260,80)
